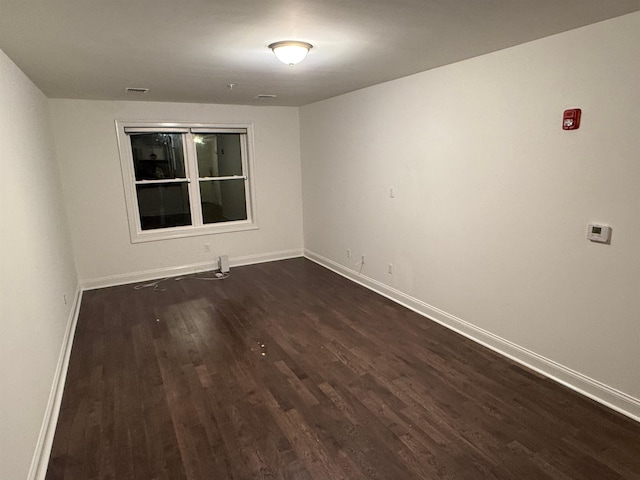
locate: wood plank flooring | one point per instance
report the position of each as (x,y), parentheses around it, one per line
(286,370)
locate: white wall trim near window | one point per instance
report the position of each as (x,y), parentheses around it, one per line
(185,179)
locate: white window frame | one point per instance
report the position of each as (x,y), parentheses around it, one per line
(191,167)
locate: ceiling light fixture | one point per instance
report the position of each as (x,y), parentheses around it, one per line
(290,52)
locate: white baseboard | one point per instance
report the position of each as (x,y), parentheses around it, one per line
(268,257)
(146,275)
(40,459)
(601,393)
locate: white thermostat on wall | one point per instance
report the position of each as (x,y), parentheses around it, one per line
(599,233)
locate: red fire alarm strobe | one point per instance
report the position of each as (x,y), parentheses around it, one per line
(571,119)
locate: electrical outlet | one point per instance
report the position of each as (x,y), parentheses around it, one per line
(390,268)
(348,253)
(207,247)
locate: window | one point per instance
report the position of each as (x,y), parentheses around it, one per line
(186,179)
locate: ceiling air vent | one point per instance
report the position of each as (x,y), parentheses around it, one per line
(136,90)
(264,95)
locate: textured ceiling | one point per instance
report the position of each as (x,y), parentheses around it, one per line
(190,50)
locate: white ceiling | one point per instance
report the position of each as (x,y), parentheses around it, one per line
(190,50)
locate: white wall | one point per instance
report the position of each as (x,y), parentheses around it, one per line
(37,269)
(87,150)
(493,197)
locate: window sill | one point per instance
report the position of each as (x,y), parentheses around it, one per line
(183,232)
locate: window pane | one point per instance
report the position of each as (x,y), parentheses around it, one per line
(157,156)
(219,154)
(223,200)
(163,205)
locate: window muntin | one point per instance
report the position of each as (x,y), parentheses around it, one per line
(186,181)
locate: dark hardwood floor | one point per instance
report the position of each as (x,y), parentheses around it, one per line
(286,370)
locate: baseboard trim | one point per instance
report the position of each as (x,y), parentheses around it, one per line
(593,389)
(263,258)
(40,459)
(146,275)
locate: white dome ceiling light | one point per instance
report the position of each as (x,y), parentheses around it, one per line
(290,52)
